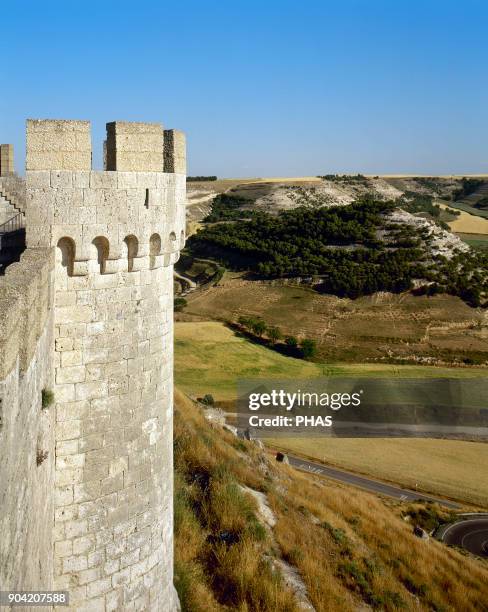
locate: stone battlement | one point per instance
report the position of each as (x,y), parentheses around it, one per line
(130,146)
(136,209)
(25,301)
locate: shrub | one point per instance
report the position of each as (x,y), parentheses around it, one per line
(179,304)
(258,327)
(41,456)
(275,334)
(291,341)
(309,348)
(208,400)
(47,398)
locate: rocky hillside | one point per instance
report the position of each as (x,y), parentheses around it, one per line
(251,534)
(275,195)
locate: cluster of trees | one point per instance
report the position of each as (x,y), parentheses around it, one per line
(482,204)
(468,186)
(306,347)
(464,275)
(343,246)
(195,179)
(345,178)
(227,207)
(415,203)
(339,243)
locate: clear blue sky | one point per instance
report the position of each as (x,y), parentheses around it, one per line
(261,88)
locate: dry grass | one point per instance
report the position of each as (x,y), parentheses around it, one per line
(358,545)
(376,327)
(219,543)
(351,548)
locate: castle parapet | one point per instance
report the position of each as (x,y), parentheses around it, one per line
(25,297)
(66,199)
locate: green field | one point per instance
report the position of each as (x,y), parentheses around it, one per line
(478,212)
(451,468)
(210,357)
(477,241)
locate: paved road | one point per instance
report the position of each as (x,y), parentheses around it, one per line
(471,533)
(365,483)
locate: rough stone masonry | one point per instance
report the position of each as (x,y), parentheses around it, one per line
(96,475)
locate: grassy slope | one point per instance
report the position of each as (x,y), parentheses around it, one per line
(209,358)
(349,547)
(369,328)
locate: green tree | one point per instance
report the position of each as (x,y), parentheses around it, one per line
(259,327)
(291,341)
(243,321)
(274,334)
(309,348)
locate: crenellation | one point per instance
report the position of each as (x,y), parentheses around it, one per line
(58,145)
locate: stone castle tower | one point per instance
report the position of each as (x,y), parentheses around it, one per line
(101,339)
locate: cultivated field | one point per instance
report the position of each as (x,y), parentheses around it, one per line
(450,468)
(374,328)
(209,358)
(466,222)
(479,241)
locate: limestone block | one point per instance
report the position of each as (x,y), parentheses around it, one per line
(127,180)
(90,390)
(70,374)
(58,145)
(103,180)
(134,147)
(81,179)
(40,179)
(61,179)
(147,180)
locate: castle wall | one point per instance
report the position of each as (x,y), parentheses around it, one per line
(116,236)
(26,428)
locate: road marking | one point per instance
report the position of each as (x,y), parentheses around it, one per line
(471,533)
(367,484)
